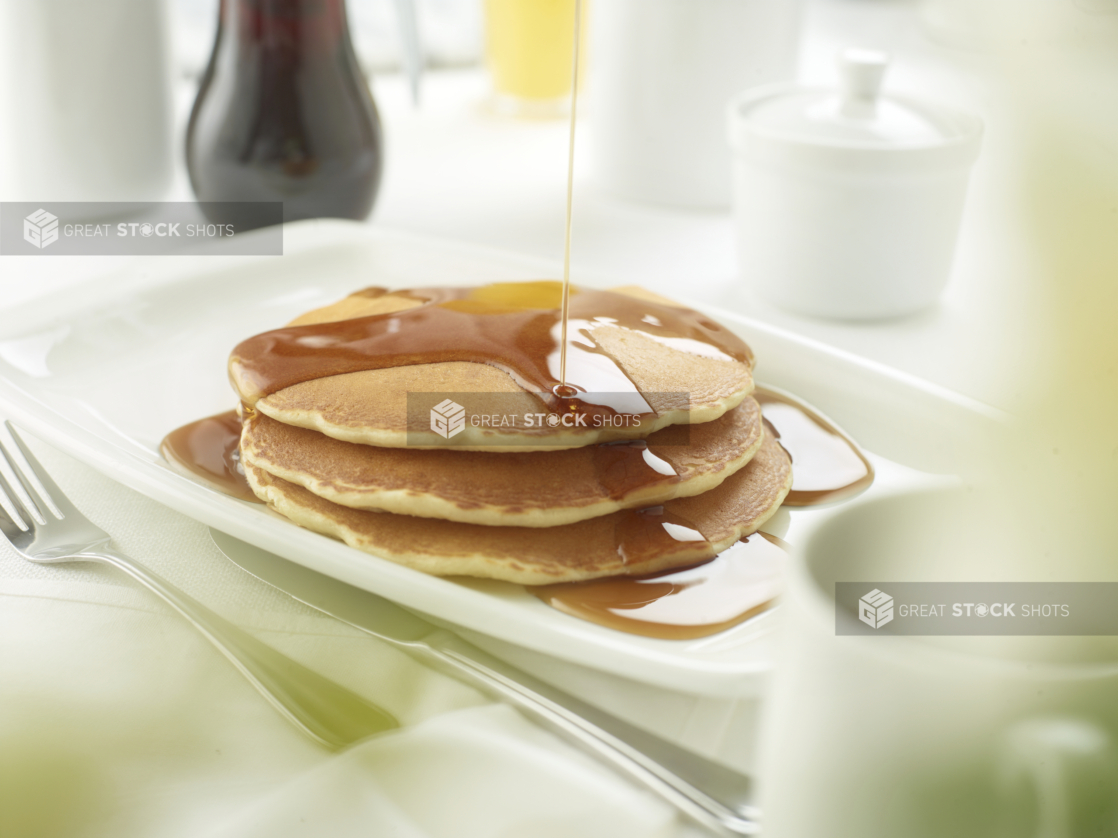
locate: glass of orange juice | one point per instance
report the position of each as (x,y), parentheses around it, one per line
(529,50)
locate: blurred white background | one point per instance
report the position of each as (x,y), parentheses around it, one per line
(452,33)
(456,170)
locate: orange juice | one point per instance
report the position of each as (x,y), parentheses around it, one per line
(529,47)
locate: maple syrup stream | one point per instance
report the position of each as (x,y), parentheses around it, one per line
(562,390)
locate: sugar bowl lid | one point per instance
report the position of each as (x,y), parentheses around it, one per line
(856,120)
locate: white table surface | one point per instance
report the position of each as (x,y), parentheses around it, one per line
(123,722)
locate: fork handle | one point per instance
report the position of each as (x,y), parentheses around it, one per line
(326,711)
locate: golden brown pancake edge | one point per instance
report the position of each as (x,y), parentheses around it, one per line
(534,556)
(532,489)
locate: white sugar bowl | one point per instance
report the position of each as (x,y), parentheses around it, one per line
(848,202)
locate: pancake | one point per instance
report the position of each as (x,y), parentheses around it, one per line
(628,542)
(528,489)
(661,362)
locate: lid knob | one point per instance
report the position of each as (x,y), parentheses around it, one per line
(862,71)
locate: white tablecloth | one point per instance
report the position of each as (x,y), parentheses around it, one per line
(120,719)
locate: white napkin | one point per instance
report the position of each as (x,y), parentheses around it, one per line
(120,720)
(484,772)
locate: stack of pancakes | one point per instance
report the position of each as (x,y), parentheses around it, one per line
(334,454)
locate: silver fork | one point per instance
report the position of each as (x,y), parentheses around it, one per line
(44,526)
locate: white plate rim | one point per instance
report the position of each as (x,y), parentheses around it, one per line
(642,659)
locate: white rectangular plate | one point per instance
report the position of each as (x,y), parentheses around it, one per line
(105,373)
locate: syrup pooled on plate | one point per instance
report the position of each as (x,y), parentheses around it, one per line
(696,601)
(512,326)
(826,464)
(210,448)
(826,467)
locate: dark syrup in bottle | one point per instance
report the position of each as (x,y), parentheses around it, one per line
(284,114)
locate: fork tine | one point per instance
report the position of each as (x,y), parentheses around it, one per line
(13,511)
(55,500)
